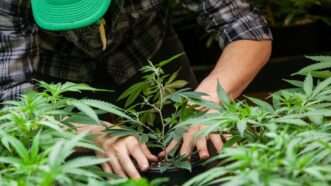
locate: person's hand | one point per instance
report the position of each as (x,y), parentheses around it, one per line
(122,152)
(190,142)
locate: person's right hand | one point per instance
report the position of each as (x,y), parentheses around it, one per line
(121,153)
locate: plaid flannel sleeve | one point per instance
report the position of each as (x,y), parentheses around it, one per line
(233,20)
(18,50)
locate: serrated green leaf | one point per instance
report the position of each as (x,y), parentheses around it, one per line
(222,95)
(321,86)
(77,87)
(55,157)
(52,124)
(84,162)
(321,74)
(19,147)
(167,61)
(107,107)
(133,92)
(35,145)
(177,84)
(316,119)
(320,58)
(263,104)
(308,85)
(10,160)
(172,77)
(186,165)
(81,119)
(83,107)
(241,127)
(82,172)
(295,83)
(298,122)
(314,67)
(315,172)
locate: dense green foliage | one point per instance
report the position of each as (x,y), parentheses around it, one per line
(282,142)
(156,105)
(38,139)
(38,132)
(279,144)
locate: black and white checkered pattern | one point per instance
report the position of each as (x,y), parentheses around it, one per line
(135,30)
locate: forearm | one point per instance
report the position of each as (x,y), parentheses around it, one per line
(236,68)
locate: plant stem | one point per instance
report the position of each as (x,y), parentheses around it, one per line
(159,110)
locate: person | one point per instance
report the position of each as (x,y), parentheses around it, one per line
(104,43)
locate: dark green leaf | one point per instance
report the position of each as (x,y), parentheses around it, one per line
(167,61)
(184,165)
(308,85)
(241,126)
(83,107)
(264,105)
(107,107)
(222,95)
(321,86)
(314,67)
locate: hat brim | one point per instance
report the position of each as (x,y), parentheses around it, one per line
(67,17)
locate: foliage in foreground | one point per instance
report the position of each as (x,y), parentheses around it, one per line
(38,136)
(38,139)
(286,143)
(282,143)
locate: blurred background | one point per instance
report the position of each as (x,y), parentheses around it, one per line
(300,28)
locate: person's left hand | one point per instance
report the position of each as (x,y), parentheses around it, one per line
(190,142)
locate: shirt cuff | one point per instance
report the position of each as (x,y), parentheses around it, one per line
(15,92)
(248,27)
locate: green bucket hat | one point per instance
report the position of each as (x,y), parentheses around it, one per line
(68,14)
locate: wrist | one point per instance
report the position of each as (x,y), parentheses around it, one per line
(209,87)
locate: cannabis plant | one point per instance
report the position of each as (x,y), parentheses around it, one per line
(156,104)
(320,69)
(38,138)
(285,142)
(285,159)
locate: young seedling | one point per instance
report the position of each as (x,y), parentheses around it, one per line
(157,104)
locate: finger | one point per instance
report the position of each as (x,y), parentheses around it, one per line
(137,153)
(202,148)
(216,139)
(105,166)
(126,162)
(188,141)
(169,148)
(115,164)
(148,153)
(187,145)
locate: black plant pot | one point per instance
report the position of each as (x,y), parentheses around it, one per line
(176,176)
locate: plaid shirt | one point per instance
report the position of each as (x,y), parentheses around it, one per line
(135,30)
